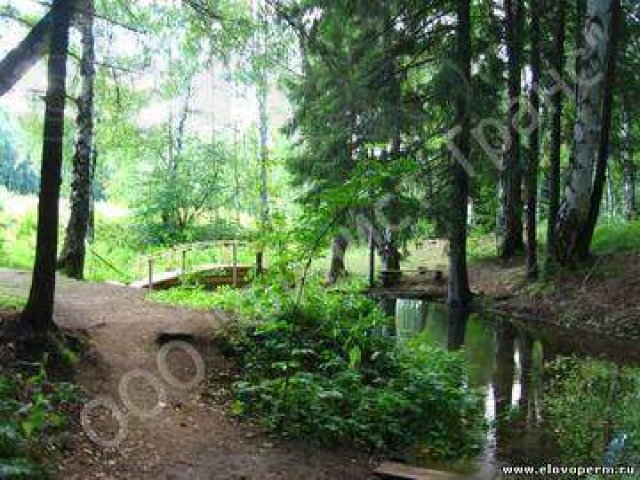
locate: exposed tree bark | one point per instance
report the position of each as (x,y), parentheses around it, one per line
(573,217)
(32,48)
(337,268)
(264,155)
(91,227)
(510,226)
(534,144)
(263,159)
(19,60)
(584,240)
(556,128)
(38,312)
(629,174)
(72,258)
(263,91)
(459,293)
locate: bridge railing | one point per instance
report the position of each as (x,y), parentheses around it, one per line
(183,259)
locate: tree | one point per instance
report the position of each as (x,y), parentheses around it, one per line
(534,143)
(263,120)
(556,127)
(72,258)
(19,60)
(337,267)
(629,175)
(459,293)
(38,312)
(574,215)
(510,222)
(602,159)
(357,113)
(179,189)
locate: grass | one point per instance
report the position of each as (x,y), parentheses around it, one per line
(113,256)
(433,256)
(186,296)
(10,300)
(617,237)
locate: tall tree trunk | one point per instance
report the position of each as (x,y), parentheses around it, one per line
(573,217)
(584,241)
(170,213)
(264,156)
(19,60)
(72,259)
(91,227)
(38,312)
(556,129)
(263,91)
(459,293)
(534,144)
(510,232)
(628,170)
(337,268)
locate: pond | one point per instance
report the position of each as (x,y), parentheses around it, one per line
(551,395)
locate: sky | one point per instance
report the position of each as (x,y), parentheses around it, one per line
(217,104)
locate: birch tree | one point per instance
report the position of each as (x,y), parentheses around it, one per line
(534,143)
(574,212)
(72,258)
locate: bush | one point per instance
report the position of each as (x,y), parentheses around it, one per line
(33,413)
(617,237)
(324,371)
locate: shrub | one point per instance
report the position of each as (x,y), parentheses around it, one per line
(34,411)
(324,371)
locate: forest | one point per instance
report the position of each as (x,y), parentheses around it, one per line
(319,239)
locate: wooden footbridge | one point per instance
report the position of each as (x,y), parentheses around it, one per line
(209,263)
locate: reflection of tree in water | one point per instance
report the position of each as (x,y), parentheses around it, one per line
(457,328)
(551,409)
(593,407)
(520,435)
(547,409)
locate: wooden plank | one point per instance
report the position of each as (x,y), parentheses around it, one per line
(402,471)
(172,278)
(150,283)
(235,264)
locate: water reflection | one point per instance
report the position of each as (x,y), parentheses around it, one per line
(457,328)
(507,362)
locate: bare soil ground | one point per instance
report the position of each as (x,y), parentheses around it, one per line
(602,297)
(187,437)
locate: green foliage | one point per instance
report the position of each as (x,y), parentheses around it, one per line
(16,174)
(617,237)
(324,371)
(11,300)
(34,412)
(180,189)
(591,404)
(481,246)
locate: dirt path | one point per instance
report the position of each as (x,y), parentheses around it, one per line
(186,437)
